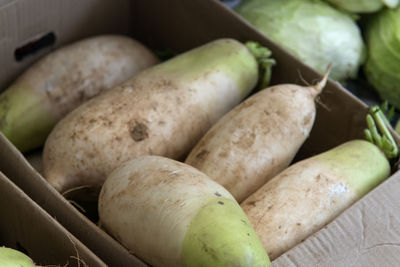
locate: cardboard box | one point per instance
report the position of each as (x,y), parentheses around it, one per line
(181,25)
(25,226)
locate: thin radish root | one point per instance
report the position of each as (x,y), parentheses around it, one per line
(321,84)
(321,103)
(74,203)
(302,78)
(75,189)
(71,195)
(76,257)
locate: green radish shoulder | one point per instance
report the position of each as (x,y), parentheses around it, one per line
(310,193)
(170,214)
(13,258)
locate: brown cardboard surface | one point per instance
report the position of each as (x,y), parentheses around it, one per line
(178,25)
(27,227)
(367,234)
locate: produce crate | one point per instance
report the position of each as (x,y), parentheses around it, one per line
(180,25)
(25,226)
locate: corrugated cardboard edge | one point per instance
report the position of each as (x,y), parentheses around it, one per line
(37,188)
(25,225)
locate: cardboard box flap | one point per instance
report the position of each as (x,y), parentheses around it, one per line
(366,234)
(50,200)
(25,226)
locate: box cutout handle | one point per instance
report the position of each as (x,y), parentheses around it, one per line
(34,46)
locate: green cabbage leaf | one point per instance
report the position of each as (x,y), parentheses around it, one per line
(312,30)
(382,68)
(364,6)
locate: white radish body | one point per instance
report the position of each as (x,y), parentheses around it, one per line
(309,194)
(161,111)
(77,72)
(63,80)
(257,139)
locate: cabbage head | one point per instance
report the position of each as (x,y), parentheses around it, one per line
(382,68)
(312,30)
(363,6)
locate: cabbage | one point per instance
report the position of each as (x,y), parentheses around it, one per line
(382,68)
(10,258)
(312,30)
(363,6)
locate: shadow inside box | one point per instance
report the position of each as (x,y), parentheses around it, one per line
(86,207)
(363,90)
(84,199)
(366,93)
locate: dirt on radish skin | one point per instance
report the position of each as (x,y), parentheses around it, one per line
(64,79)
(258,138)
(163,111)
(307,195)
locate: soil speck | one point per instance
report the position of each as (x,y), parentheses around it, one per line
(139,131)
